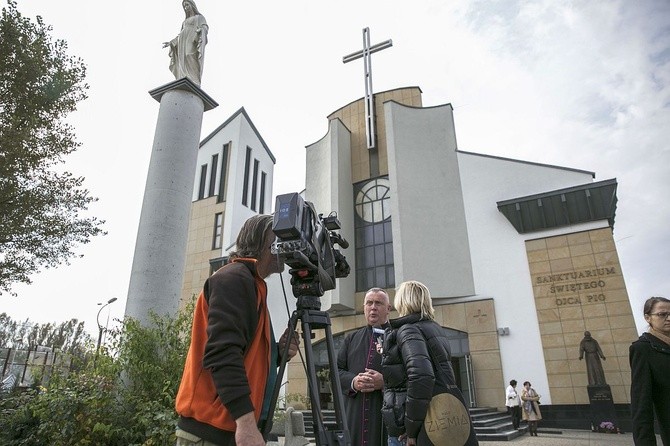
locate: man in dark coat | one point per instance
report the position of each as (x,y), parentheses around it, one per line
(359,364)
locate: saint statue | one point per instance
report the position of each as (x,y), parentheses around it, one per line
(590,348)
(187,50)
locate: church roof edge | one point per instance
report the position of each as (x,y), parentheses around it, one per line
(377,93)
(244,113)
(532,163)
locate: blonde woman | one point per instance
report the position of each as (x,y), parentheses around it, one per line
(416,367)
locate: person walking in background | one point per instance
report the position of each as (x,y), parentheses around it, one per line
(359,364)
(513,403)
(419,383)
(649,358)
(531,407)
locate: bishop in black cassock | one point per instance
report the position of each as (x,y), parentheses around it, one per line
(363,391)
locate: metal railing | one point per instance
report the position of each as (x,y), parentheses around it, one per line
(23,367)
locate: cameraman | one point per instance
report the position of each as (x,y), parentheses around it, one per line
(230,368)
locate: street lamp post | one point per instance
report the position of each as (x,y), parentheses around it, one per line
(100,330)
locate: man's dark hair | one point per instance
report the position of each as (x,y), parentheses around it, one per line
(251,239)
(512,383)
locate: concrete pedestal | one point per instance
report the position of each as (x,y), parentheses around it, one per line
(160,251)
(603,413)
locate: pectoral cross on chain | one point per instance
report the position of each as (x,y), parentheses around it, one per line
(366,54)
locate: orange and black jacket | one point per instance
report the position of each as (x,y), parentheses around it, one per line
(228,361)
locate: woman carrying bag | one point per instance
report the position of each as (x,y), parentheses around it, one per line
(531,407)
(422,404)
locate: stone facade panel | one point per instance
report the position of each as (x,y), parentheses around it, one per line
(560,241)
(578,238)
(559,380)
(584,261)
(483,342)
(581,250)
(563,395)
(480,316)
(555,354)
(536,268)
(547,316)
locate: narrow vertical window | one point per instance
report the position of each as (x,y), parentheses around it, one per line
(254,186)
(261,200)
(224,171)
(218,231)
(203,181)
(373,235)
(245,186)
(212,174)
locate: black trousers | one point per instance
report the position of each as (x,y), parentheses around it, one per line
(515,412)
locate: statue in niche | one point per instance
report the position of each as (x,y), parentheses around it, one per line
(187,50)
(590,349)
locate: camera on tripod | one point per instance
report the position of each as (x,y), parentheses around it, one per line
(305,242)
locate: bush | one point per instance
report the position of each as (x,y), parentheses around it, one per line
(127,399)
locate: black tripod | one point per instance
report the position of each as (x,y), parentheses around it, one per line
(308,310)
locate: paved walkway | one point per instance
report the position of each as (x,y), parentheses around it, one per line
(568,438)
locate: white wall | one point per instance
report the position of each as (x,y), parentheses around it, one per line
(499,261)
(241,135)
(430,234)
(328,186)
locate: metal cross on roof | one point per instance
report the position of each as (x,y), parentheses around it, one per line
(366,53)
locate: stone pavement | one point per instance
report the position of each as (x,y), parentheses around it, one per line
(568,437)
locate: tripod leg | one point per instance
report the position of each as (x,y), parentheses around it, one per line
(317,417)
(338,398)
(318,319)
(339,436)
(266,425)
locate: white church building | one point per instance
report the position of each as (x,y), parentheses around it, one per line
(233,181)
(519,256)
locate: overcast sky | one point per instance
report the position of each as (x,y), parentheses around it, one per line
(581,84)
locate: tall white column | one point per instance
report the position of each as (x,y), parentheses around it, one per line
(160,250)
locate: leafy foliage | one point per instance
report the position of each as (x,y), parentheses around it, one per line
(67,337)
(128,399)
(40,208)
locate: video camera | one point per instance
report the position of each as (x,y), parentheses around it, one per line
(305,242)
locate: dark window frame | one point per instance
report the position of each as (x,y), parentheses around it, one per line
(224,172)
(215,264)
(254,185)
(212,174)
(203,181)
(245,186)
(217,238)
(261,201)
(373,241)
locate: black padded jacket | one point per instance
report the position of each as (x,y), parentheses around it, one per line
(410,378)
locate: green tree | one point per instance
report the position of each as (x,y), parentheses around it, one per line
(67,337)
(41,208)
